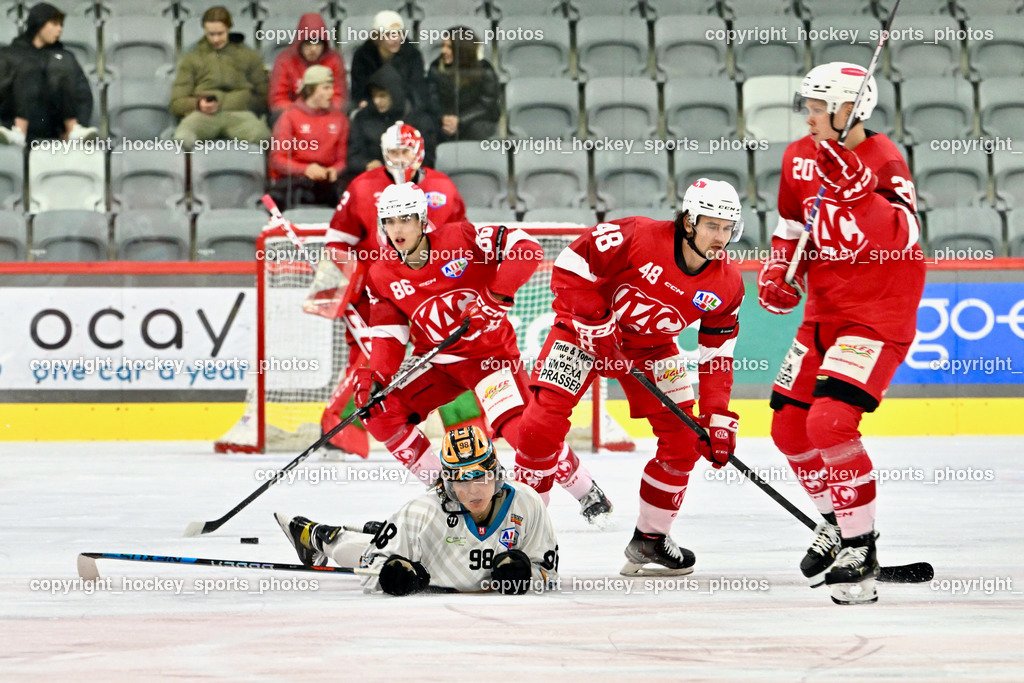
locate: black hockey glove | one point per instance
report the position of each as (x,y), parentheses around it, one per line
(402,576)
(512,572)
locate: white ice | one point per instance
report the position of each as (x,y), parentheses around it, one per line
(59,499)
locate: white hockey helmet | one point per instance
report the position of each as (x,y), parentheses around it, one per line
(715,198)
(837,83)
(401,135)
(406,199)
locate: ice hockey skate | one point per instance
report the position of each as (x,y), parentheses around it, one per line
(852,577)
(656,549)
(821,554)
(304,535)
(595,506)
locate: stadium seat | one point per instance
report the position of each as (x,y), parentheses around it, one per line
(937,109)
(645,211)
(611,46)
(503,9)
(1001,104)
(622,108)
(682,49)
(138,46)
(582,216)
(782,53)
(74,179)
(768,109)
(1015,231)
(1008,173)
(913,7)
(542,108)
(551,178)
(70,235)
(163,8)
(312,215)
(137,109)
(462,8)
(927,47)
(960,228)
(79,38)
(844,10)
(728,165)
(487,215)
(151,235)
(700,109)
(978,8)
(606,8)
(827,46)
(146,179)
(523,52)
(660,9)
(767,174)
(1000,56)
(228,234)
(437,25)
(12,176)
(883,118)
(752,237)
(13,235)
(943,179)
(733,9)
(636,179)
(8,32)
(230,179)
(359,7)
(481,175)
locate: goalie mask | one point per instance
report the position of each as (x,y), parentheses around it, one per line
(402,136)
(714,198)
(467,454)
(837,83)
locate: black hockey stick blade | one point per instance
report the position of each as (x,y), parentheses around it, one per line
(917,572)
(87,564)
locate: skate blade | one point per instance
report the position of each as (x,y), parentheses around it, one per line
(817,580)
(634,569)
(861,593)
(600,521)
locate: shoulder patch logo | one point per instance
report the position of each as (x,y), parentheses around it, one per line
(435,200)
(509,537)
(455,268)
(706,301)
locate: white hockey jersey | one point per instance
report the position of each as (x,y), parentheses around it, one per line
(457,551)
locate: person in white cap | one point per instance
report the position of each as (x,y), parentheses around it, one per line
(389,44)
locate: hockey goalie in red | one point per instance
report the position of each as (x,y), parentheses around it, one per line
(863,274)
(421,289)
(623,291)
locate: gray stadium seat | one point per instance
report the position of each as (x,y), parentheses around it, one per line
(937,109)
(480,25)
(70,235)
(522,52)
(79,38)
(1000,56)
(768,109)
(776,55)
(146,179)
(682,50)
(622,108)
(977,8)
(228,234)
(13,236)
(752,238)
(912,7)
(883,118)
(8,32)
(611,46)
(1001,105)
(109,8)
(732,9)
(976,228)
(151,235)
(645,211)
(1008,173)
(12,176)
(464,8)
(911,56)
(606,8)
(74,179)
(358,7)
(231,179)
(480,175)
(660,9)
(943,180)
(728,165)
(314,215)
(137,109)
(582,216)
(636,179)
(847,9)
(700,109)
(551,178)
(138,46)
(504,9)
(828,47)
(1015,231)
(486,215)
(542,108)
(767,174)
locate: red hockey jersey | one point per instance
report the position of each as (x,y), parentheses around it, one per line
(425,305)
(863,262)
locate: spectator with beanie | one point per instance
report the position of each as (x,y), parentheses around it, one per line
(311,46)
(44,94)
(310,140)
(221,86)
(387,46)
(465,89)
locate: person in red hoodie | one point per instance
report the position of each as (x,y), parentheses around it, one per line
(307,153)
(312,46)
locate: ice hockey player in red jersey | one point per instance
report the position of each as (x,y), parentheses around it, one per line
(863,274)
(353,233)
(429,279)
(625,290)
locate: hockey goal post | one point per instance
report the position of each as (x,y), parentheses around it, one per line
(299,357)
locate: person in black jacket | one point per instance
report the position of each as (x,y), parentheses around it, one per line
(387,45)
(465,89)
(44,94)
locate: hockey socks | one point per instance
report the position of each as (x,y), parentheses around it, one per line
(662,489)
(411,448)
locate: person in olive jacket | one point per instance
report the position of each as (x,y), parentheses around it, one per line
(221,86)
(465,89)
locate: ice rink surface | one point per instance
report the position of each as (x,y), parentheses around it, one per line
(745,614)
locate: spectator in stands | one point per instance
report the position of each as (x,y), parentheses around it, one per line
(221,86)
(44,94)
(387,45)
(311,46)
(465,89)
(389,105)
(308,151)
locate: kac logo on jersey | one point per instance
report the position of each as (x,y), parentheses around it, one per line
(706,301)
(435,200)
(640,313)
(439,316)
(509,537)
(455,268)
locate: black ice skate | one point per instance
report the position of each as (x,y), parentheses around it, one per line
(852,577)
(306,536)
(595,506)
(656,549)
(821,554)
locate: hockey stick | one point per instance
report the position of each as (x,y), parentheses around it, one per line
(916,572)
(87,564)
(801,245)
(198,528)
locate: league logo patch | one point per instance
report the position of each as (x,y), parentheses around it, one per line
(509,537)
(435,200)
(706,301)
(455,268)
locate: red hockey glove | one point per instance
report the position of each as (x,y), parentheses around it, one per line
(843,172)
(368,383)
(602,340)
(485,314)
(721,427)
(773,293)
